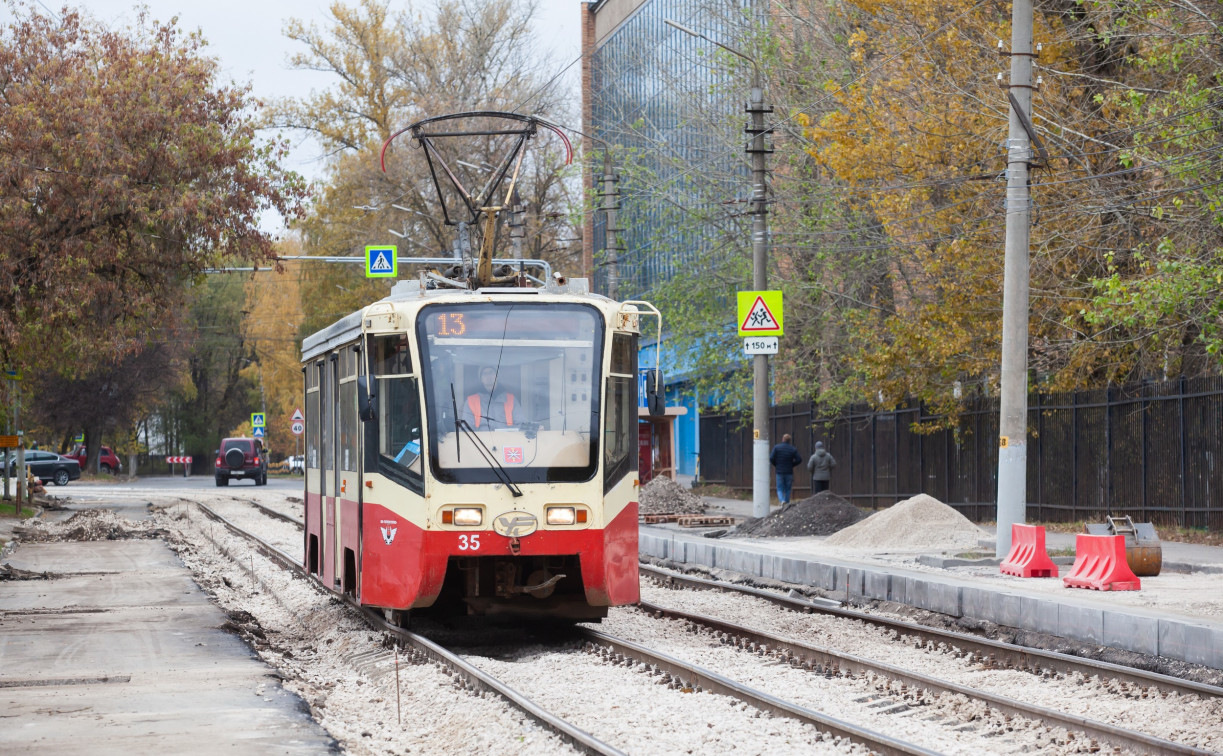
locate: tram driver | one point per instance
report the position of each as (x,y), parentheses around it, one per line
(491,407)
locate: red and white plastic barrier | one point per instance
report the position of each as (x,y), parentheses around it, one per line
(178,460)
(1028,557)
(1099,564)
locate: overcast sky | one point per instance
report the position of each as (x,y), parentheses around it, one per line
(247,37)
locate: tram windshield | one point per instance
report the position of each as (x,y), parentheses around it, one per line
(512,390)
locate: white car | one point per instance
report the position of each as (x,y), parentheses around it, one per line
(297,464)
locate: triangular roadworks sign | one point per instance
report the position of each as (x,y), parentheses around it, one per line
(760,313)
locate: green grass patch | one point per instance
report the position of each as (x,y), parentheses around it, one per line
(8,508)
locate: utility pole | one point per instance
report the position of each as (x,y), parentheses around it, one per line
(1013,419)
(610,196)
(760,282)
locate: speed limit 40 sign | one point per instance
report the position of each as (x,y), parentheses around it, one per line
(298,428)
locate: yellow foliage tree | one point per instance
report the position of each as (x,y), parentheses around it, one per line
(273,317)
(916,140)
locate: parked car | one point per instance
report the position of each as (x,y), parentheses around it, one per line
(49,466)
(108,461)
(297,464)
(241,458)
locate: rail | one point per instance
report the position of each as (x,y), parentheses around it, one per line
(472,676)
(991,651)
(828,660)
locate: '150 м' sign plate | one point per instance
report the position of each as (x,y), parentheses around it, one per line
(760,345)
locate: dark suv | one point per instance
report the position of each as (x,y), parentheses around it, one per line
(241,458)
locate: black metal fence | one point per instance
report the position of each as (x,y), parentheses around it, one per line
(1153,451)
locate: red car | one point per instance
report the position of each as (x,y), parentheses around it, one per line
(108,462)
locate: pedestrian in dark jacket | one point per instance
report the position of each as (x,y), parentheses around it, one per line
(783,459)
(820,466)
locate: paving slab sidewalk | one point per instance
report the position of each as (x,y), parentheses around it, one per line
(123,653)
(1165,619)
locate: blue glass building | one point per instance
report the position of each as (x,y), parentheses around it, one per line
(658,96)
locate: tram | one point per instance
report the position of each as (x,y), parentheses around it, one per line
(471,446)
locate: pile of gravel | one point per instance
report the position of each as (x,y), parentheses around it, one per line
(922,522)
(822,514)
(664,496)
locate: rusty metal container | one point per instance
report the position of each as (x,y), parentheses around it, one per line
(1143,552)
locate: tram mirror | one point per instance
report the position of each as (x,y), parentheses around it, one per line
(655,393)
(365,400)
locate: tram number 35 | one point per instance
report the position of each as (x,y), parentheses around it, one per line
(469,542)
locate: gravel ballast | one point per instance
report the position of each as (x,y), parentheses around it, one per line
(1191,720)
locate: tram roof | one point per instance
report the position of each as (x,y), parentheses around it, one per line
(408,292)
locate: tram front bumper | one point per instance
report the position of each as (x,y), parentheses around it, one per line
(404,566)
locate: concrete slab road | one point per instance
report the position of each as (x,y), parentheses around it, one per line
(122,653)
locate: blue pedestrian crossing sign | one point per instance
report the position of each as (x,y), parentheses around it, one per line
(257,420)
(258,433)
(381,262)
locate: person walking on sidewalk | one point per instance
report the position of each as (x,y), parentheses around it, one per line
(783,459)
(820,466)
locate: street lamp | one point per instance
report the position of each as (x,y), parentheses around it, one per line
(760,255)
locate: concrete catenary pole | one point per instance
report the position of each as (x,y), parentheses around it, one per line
(760,258)
(1013,419)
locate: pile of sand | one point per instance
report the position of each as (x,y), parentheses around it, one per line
(822,514)
(922,522)
(664,496)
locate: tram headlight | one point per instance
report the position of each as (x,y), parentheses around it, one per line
(468,516)
(561,515)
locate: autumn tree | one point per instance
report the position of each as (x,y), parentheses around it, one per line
(914,141)
(273,315)
(126,169)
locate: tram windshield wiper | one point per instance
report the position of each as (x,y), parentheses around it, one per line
(462,425)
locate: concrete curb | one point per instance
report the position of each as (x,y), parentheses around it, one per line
(1173,638)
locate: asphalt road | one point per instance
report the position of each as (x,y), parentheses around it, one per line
(84,490)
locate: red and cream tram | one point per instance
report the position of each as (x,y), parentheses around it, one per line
(475,450)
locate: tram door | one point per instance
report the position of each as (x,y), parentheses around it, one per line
(327,405)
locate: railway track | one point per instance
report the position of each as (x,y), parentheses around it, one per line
(680,674)
(904,685)
(988,652)
(898,689)
(420,647)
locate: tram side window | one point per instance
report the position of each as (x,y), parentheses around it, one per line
(399,422)
(620,422)
(312,417)
(348,426)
